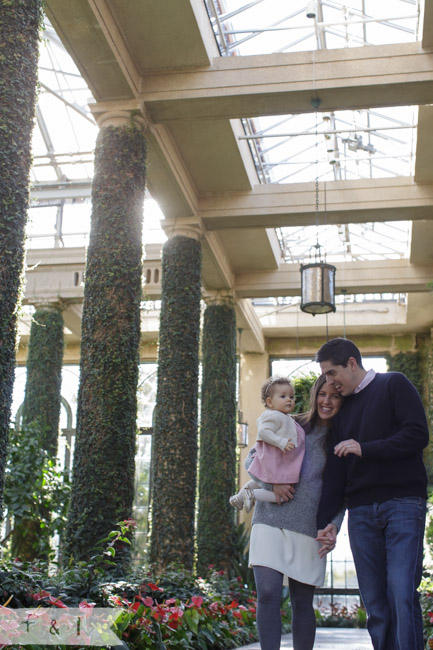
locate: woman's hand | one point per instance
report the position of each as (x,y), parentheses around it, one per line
(283,492)
(328,538)
(348,447)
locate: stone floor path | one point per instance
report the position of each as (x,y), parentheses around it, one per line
(329,638)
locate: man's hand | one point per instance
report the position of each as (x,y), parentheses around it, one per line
(328,538)
(283,492)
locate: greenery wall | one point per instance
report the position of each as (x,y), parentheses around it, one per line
(409,363)
(44,376)
(103,475)
(174,454)
(417,367)
(217,472)
(19,31)
(40,420)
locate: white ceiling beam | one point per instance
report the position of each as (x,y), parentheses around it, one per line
(365,200)
(384,276)
(277,84)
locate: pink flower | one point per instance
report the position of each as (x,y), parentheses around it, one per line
(197,601)
(148,601)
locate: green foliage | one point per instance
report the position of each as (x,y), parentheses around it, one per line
(40,417)
(217,471)
(426,602)
(103,474)
(44,375)
(409,363)
(174,454)
(240,560)
(36,493)
(19,32)
(303,386)
(175,610)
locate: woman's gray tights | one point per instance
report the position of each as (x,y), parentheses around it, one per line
(269,584)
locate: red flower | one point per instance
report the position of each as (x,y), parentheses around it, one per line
(197,601)
(57,602)
(154,587)
(40,595)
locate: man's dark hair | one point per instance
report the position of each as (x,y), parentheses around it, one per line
(338,351)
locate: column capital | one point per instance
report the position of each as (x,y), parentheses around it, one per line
(186,228)
(121,113)
(49,305)
(219,298)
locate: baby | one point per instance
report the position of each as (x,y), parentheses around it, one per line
(279,449)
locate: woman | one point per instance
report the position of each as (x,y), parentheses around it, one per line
(283,537)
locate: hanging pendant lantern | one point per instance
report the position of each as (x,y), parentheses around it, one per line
(318,286)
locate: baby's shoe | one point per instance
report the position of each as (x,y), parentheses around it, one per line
(237,501)
(248,497)
(244,498)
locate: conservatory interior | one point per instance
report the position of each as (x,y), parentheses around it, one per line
(278,135)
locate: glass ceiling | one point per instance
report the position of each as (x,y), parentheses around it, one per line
(341,145)
(63,147)
(285,149)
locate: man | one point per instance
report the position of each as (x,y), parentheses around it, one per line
(375,465)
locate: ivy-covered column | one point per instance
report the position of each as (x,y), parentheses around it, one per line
(19,32)
(427,374)
(174,452)
(41,407)
(103,471)
(39,431)
(411,364)
(217,473)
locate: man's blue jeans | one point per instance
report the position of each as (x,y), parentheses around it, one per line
(387,545)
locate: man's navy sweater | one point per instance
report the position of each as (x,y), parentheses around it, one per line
(387,418)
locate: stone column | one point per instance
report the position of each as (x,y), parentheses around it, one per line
(174,453)
(19,36)
(38,434)
(103,472)
(216,520)
(254,369)
(41,407)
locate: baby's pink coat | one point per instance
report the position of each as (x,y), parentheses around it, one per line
(271,464)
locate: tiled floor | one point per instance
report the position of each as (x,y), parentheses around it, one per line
(328,638)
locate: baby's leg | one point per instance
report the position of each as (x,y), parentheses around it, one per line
(260,494)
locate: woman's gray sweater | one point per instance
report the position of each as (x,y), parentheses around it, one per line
(299,514)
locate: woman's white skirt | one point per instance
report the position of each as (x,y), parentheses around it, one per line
(292,554)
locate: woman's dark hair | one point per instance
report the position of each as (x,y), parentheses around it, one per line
(338,351)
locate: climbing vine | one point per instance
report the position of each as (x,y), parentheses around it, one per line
(44,375)
(409,363)
(174,454)
(40,427)
(217,474)
(19,33)
(418,370)
(103,475)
